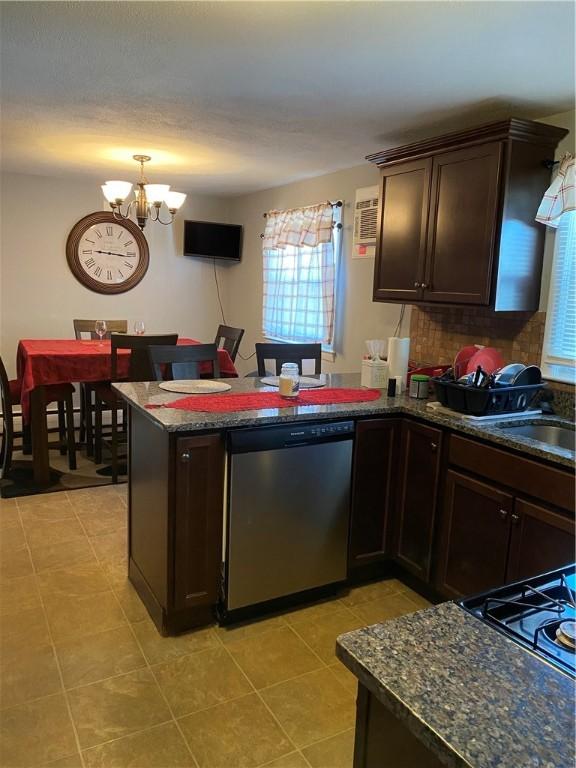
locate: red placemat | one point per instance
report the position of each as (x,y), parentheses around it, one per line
(254,401)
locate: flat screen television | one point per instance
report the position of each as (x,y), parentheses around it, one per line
(215,241)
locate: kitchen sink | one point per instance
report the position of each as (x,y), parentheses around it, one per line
(562,437)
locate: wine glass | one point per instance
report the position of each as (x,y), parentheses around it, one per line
(100,328)
(139,327)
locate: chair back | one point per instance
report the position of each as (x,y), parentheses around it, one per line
(229,338)
(183,361)
(7,422)
(288,353)
(140,368)
(87,326)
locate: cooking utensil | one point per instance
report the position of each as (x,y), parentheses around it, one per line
(462,359)
(531,374)
(506,375)
(488,357)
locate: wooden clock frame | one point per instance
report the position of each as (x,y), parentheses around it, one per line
(76,233)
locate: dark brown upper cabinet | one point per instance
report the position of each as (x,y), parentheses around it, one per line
(456,217)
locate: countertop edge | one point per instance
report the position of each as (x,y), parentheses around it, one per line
(421,730)
(488,432)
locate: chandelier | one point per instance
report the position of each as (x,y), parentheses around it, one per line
(148,198)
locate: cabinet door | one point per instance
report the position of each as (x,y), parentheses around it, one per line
(463,225)
(541,540)
(199,494)
(401,240)
(417,498)
(373,475)
(474,537)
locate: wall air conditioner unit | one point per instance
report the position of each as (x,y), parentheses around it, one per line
(365,222)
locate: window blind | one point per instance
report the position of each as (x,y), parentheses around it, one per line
(559,351)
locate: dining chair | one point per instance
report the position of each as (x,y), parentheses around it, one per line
(288,353)
(183,361)
(229,338)
(61,394)
(83,328)
(139,369)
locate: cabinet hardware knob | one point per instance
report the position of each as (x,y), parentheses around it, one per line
(503,514)
(423,285)
(416,285)
(514,517)
(185,456)
(433,446)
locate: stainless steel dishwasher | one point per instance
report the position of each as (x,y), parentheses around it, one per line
(288,511)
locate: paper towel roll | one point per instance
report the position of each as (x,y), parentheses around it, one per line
(398,352)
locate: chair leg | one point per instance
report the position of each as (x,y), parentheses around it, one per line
(6,449)
(26,440)
(98,433)
(70,439)
(62,427)
(89,413)
(114,444)
(82,432)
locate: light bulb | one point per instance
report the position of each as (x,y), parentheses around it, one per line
(174,200)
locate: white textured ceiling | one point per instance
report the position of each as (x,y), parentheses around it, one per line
(230,97)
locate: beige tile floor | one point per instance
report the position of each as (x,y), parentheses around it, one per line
(87,682)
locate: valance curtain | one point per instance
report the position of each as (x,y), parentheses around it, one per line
(558,210)
(300,263)
(560,196)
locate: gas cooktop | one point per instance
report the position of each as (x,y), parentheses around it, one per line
(538,613)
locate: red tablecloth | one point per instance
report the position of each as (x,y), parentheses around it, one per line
(253,401)
(63,361)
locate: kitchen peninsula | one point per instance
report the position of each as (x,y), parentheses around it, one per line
(421,484)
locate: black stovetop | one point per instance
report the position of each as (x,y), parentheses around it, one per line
(530,612)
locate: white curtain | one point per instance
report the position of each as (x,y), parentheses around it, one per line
(560,196)
(300,262)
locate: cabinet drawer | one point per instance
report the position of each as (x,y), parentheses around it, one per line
(529,477)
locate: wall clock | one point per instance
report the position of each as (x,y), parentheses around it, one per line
(107,255)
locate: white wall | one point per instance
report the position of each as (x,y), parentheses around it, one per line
(361,318)
(39,296)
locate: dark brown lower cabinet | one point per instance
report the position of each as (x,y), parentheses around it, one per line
(176,491)
(382,741)
(415,513)
(488,538)
(541,540)
(198,520)
(373,479)
(474,536)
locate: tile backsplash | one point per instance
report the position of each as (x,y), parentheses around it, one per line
(437,333)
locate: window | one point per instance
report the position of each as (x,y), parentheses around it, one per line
(300,288)
(559,352)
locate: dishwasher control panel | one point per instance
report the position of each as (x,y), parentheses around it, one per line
(285,436)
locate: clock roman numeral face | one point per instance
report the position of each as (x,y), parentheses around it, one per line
(108,253)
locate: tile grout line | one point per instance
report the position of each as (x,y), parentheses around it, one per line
(147,664)
(58,666)
(295,677)
(260,698)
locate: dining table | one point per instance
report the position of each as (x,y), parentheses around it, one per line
(41,362)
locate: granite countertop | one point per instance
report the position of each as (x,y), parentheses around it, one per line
(140,395)
(471,695)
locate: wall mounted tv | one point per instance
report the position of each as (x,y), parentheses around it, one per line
(214,241)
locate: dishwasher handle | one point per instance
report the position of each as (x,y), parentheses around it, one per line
(289,436)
